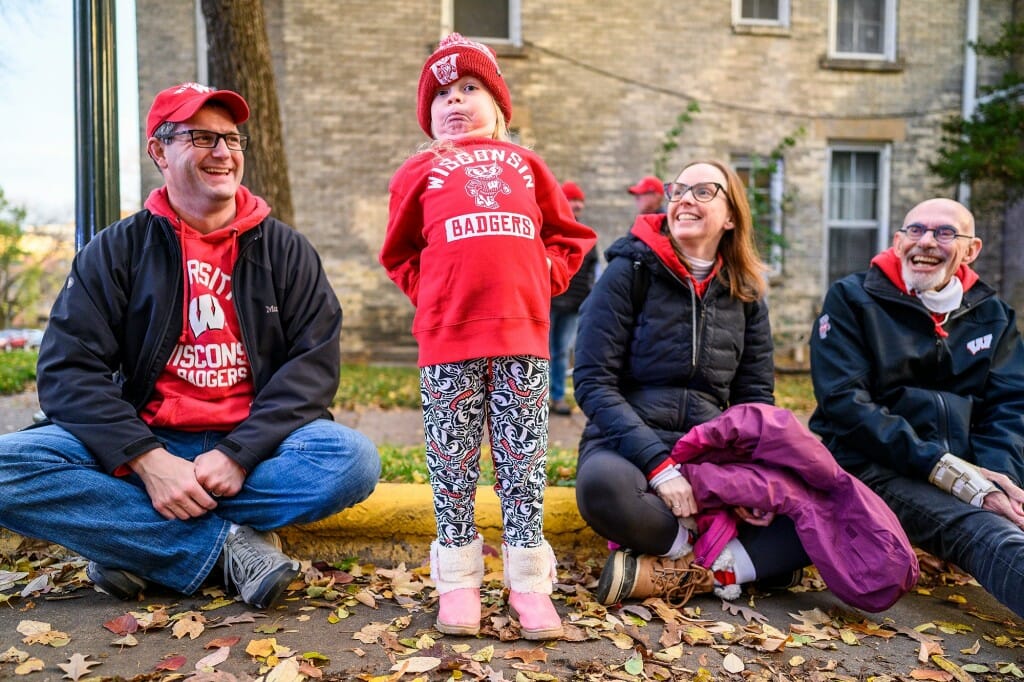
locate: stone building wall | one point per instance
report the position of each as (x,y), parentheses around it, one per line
(595,87)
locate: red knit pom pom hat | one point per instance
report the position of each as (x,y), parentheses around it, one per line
(454,58)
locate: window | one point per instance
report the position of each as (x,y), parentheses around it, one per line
(863,29)
(492,21)
(858,207)
(764,180)
(761,12)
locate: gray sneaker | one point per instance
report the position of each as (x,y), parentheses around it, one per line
(255,568)
(116,582)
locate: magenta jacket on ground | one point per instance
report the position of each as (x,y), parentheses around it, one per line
(760,456)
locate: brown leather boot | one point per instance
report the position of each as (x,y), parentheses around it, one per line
(637,576)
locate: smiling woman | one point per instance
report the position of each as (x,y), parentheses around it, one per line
(37,168)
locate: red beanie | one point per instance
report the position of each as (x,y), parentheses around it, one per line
(454,58)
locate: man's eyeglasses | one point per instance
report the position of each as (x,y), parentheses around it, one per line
(207,139)
(944,234)
(701,191)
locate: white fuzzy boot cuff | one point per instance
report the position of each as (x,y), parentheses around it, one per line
(456,568)
(529,569)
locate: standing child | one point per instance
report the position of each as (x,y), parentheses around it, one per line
(479,238)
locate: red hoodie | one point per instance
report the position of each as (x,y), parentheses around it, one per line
(207,382)
(892,267)
(470,232)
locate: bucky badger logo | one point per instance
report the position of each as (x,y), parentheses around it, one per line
(485,184)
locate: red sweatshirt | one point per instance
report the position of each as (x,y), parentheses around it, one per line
(207,383)
(469,234)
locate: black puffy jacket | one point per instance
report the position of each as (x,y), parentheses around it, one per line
(645,377)
(116,322)
(892,391)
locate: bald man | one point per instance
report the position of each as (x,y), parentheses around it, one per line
(918,369)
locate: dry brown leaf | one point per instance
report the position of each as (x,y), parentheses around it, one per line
(366,598)
(222,642)
(285,671)
(127,640)
(953,669)
(77,666)
(417,664)
(934,675)
(13,655)
(527,655)
(927,650)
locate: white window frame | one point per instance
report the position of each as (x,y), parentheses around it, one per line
(515,24)
(882,208)
(776,186)
(888,39)
(739,20)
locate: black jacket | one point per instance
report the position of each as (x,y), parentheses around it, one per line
(892,391)
(117,319)
(643,379)
(579,286)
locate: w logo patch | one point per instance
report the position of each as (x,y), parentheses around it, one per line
(205,313)
(979,344)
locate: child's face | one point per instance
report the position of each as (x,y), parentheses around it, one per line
(463,108)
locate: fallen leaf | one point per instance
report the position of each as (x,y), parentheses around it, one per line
(211,661)
(285,671)
(741,610)
(733,664)
(222,642)
(417,664)
(77,666)
(13,655)
(934,675)
(125,624)
(171,663)
(127,640)
(190,623)
(39,584)
(31,665)
(952,668)
(527,655)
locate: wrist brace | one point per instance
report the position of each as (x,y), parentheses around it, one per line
(961,479)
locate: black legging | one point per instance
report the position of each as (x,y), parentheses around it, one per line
(615,500)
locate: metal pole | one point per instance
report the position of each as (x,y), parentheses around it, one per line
(97,173)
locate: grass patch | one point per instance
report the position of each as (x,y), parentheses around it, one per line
(378,386)
(17,370)
(795,393)
(407,464)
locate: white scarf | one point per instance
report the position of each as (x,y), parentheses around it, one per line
(945,300)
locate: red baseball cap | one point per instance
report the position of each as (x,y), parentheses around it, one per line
(181,102)
(646,185)
(572,191)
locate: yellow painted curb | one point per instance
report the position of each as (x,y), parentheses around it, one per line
(396,524)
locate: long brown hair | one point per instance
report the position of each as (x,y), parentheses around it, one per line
(744,270)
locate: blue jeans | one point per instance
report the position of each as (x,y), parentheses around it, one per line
(560,339)
(53,489)
(983,543)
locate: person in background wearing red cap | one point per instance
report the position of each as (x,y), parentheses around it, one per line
(186,374)
(480,237)
(565,310)
(649,195)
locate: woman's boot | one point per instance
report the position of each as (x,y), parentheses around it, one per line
(457,573)
(637,576)
(530,575)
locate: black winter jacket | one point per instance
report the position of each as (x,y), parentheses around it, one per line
(645,377)
(579,286)
(892,391)
(117,319)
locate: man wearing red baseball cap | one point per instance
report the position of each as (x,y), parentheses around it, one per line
(649,194)
(186,374)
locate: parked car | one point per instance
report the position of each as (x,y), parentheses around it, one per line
(33,337)
(11,339)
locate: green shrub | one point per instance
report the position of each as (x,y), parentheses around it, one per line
(17,370)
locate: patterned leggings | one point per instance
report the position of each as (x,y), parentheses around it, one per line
(511,394)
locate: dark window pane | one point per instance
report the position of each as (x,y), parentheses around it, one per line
(850,251)
(482,18)
(860,26)
(760,9)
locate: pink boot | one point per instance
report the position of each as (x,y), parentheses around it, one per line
(457,573)
(529,575)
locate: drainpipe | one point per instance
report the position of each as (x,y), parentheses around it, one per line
(970,97)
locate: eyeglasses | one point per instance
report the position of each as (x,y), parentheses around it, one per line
(207,139)
(701,191)
(944,234)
